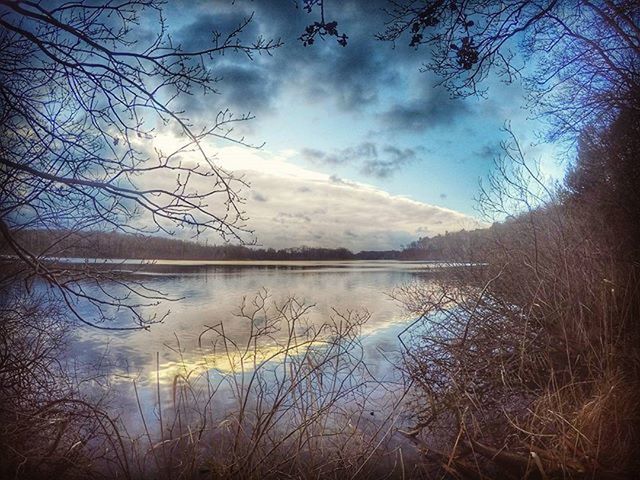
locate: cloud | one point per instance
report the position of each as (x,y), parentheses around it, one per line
(358,217)
(356,78)
(396,158)
(352,78)
(372,160)
(363,151)
(200,33)
(246,87)
(489,151)
(425,113)
(290,206)
(242,84)
(287,218)
(309,208)
(258,197)
(314,155)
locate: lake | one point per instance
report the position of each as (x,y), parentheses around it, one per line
(209,298)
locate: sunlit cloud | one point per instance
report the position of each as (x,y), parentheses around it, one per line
(292,206)
(289,205)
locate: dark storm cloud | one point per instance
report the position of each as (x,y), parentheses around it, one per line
(489,151)
(246,87)
(434,109)
(241,84)
(372,160)
(239,99)
(351,78)
(200,33)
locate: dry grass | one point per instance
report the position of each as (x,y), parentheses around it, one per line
(48,429)
(293,399)
(528,366)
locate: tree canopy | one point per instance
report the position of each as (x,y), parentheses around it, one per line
(579,60)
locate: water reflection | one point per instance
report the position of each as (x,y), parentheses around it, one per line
(219,297)
(215,293)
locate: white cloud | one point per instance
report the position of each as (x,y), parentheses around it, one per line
(293,206)
(289,205)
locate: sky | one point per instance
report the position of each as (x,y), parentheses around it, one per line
(362,148)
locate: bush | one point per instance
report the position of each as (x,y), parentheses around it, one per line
(528,365)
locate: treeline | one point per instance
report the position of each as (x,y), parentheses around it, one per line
(467,245)
(99,244)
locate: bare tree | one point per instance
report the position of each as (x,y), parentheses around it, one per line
(82,98)
(580,60)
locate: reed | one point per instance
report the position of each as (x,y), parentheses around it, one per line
(293,398)
(527,366)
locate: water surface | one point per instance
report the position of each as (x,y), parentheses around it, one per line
(211,294)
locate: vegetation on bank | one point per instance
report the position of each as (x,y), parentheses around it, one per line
(529,367)
(100,244)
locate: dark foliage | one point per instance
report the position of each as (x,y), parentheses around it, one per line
(100,244)
(604,184)
(322,28)
(537,351)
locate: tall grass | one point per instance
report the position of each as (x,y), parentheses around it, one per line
(292,399)
(528,366)
(48,427)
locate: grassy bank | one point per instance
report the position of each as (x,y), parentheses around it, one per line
(529,367)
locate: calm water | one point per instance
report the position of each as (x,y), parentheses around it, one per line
(211,293)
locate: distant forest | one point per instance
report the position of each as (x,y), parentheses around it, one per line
(98,244)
